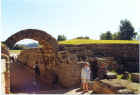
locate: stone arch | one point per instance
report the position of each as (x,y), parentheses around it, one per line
(44,39)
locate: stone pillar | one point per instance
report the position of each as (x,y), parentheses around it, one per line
(6,76)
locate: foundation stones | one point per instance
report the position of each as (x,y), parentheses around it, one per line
(135,77)
(111,75)
(125,75)
(115,86)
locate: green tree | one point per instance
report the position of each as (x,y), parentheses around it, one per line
(61,38)
(106,36)
(81,37)
(116,36)
(19,47)
(87,37)
(127,31)
(3,42)
(103,36)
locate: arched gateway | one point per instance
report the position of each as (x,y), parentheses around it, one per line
(42,37)
(51,60)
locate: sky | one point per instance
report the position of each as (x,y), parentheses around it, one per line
(72,18)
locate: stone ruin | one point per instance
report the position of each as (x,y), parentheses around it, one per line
(44,39)
(60,62)
(52,62)
(64,66)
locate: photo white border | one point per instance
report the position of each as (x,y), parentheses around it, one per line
(1,92)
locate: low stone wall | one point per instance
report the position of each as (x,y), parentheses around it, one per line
(130,51)
(126,54)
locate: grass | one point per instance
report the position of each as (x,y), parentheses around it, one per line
(15,51)
(90,41)
(119,76)
(129,78)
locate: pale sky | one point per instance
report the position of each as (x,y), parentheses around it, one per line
(72,18)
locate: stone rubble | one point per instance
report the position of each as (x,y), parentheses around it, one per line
(135,77)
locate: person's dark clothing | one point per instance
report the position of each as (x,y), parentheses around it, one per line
(94,70)
(37,71)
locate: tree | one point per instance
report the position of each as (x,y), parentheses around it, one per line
(116,36)
(61,38)
(19,47)
(3,42)
(87,37)
(106,36)
(127,31)
(81,37)
(103,36)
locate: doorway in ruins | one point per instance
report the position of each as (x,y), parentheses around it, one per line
(42,56)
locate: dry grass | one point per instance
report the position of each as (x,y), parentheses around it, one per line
(90,41)
(15,51)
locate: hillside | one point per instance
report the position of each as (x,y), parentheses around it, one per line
(31,45)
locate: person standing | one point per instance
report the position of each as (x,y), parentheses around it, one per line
(94,69)
(36,69)
(37,74)
(85,76)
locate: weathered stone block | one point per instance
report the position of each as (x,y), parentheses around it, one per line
(115,86)
(69,77)
(111,75)
(135,77)
(125,91)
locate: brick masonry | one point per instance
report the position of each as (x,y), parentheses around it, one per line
(126,54)
(66,67)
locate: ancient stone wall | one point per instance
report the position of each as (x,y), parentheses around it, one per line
(5,60)
(48,58)
(69,74)
(128,51)
(127,54)
(4,51)
(64,66)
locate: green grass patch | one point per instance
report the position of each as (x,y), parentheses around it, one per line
(90,41)
(119,76)
(15,51)
(113,71)
(129,78)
